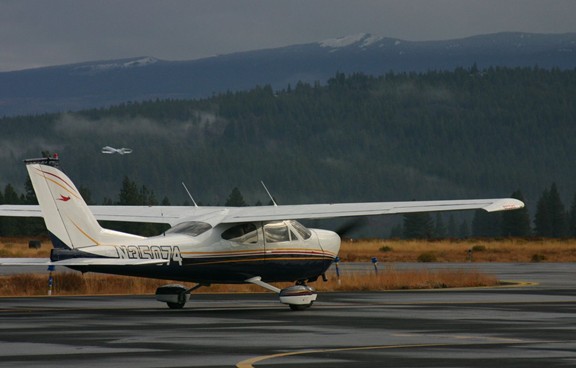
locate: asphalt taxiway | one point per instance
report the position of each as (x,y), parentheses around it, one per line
(532,325)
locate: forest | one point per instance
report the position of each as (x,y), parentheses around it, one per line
(552,219)
(464,133)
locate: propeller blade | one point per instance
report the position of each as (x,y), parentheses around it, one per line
(351,225)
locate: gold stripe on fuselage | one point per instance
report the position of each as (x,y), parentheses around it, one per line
(264,260)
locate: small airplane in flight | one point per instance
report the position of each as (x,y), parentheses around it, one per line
(205,245)
(111,150)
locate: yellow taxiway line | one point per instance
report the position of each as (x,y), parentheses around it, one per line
(249,363)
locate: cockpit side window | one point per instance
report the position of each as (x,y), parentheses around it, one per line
(246,233)
(276,232)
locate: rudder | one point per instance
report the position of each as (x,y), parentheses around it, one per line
(67,216)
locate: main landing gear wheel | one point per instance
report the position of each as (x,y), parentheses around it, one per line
(175,305)
(175,295)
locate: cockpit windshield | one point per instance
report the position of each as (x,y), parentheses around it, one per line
(284,231)
(301,229)
(192,228)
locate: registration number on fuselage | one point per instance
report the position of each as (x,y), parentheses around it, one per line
(167,252)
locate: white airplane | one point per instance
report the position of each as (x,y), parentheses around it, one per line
(206,245)
(112,150)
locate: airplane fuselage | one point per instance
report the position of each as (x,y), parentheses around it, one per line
(275,251)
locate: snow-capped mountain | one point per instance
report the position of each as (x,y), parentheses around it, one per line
(97,84)
(97,67)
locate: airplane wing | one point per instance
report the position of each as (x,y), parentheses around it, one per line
(214,215)
(320,211)
(79,262)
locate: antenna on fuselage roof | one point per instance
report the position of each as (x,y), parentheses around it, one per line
(189,195)
(269,195)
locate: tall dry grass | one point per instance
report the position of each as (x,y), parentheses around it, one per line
(16,247)
(71,283)
(391,279)
(503,250)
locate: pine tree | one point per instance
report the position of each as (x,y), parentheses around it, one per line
(147,197)
(550,218)
(418,226)
(30,196)
(516,223)
(9,226)
(440,230)
(30,226)
(542,218)
(129,195)
(86,194)
(558,213)
(486,224)
(396,232)
(572,219)
(452,228)
(235,199)
(464,230)
(10,195)
(2,219)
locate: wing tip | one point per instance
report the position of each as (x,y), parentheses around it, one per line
(504,204)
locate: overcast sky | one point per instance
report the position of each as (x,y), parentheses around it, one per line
(36,33)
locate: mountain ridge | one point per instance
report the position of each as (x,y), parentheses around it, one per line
(104,83)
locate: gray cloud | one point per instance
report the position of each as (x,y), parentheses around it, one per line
(71,126)
(39,33)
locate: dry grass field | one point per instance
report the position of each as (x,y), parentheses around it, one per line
(387,252)
(18,247)
(72,283)
(482,250)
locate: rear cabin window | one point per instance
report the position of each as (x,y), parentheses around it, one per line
(242,233)
(192,228)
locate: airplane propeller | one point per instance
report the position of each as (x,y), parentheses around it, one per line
(350,226)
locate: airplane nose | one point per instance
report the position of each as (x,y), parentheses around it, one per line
(329,241)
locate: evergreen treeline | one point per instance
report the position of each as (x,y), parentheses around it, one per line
(438,135)
(551,220)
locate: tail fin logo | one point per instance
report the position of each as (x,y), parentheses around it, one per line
(63,199)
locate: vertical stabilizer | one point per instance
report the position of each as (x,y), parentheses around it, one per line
(67,216)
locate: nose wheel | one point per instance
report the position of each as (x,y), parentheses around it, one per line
(297,297)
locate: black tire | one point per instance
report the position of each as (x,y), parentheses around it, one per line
(299,307)
(175,305)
